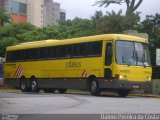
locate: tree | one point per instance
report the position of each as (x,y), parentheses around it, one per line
(113,22)
(132,5)
(151,26)
(98,22)
(4,43)
(4,18)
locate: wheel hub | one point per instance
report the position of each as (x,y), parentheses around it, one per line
(34,84)
(93,86)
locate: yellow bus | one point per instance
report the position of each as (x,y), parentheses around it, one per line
(113,62)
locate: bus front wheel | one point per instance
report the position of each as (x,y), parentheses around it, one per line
(94,88)
(34,85)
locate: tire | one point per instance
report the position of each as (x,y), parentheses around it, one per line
(62,91)
(23,85)
(49,90)
(123,93)
(94,88)
(34,85)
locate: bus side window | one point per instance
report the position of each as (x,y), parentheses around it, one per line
(75,50)
(52,52)
(68,51)
(94,49)
(10,56)
(108,57)
(79,50)
(43,53)
(62,50)
(82,49)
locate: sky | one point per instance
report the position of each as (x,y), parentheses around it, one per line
(85,8)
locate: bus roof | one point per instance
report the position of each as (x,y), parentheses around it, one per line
(53,42)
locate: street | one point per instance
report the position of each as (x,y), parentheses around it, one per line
(42,103)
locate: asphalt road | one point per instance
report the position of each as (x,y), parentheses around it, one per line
(42,103)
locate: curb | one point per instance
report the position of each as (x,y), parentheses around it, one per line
(87,93)
(145,95)
(135,95)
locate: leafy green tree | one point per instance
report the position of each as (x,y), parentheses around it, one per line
(14,30)
(11,35)
(132,5)
(4,18)
(114,22)
(99,23)
(151,26)
(75,28)
(5,42)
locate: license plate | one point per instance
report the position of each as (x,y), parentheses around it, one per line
(136,86)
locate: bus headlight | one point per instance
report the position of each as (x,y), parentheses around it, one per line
(120,77)
(117,76)
(148,79)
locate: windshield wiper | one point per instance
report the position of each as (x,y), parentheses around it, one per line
(138,60)
(143,63)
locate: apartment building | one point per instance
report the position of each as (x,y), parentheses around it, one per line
(62,14)
(17,9)
(37,12)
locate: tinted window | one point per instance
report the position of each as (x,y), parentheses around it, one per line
(68,51)
(52,52)
(108,60)
(10,56)
(94,48)
(76,48)
(62,51)
(34,54)
(43,53)
(82,49)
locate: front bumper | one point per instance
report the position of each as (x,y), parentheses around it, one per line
(124,84)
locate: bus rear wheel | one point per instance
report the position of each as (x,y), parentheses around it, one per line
(24,85)
(94,88)
(123,93)
(62,91)
(34,85)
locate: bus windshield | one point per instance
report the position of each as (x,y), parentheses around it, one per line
(132,53)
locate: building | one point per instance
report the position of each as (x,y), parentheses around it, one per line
(62,15)
(36,12)
(39,13)
(17,9)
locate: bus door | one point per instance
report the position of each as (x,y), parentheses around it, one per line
(108,60)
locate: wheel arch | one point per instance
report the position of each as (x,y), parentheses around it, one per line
(33,77)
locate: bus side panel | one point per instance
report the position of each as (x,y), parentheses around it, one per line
(75,83)
(65,73)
